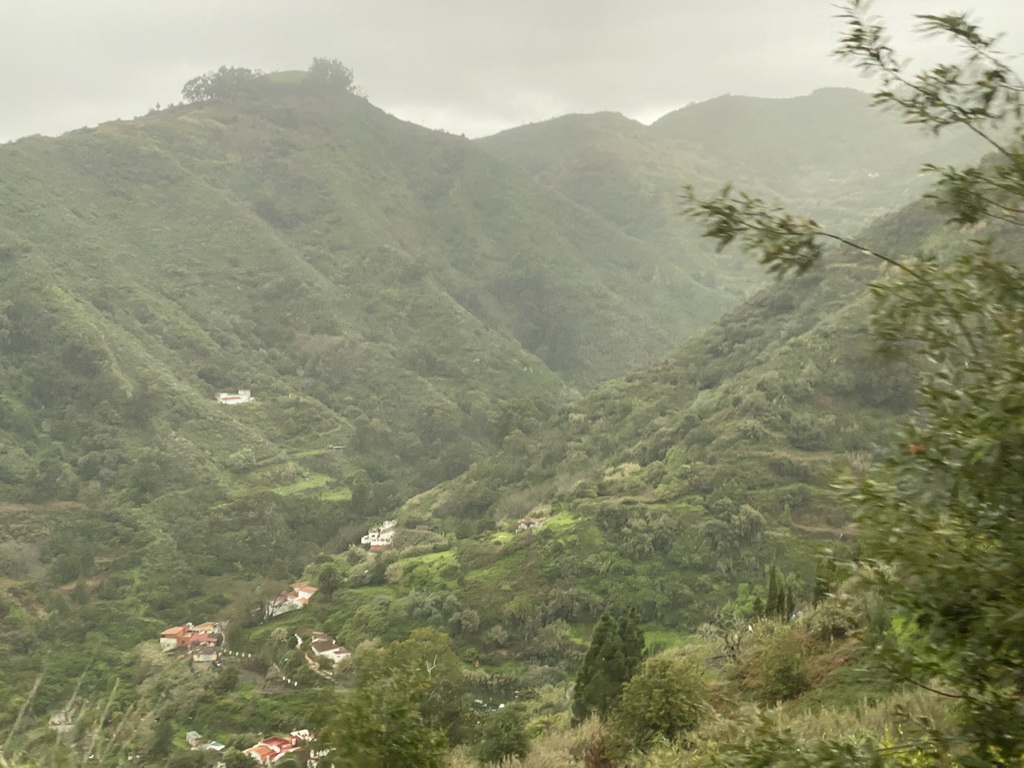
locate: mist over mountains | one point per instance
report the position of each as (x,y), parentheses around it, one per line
(458,334)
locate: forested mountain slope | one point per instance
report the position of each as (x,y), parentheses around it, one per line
(828,155)
(674,488)
(306,243)
(402,303)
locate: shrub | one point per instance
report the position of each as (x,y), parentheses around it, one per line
(774,667)
(666,698)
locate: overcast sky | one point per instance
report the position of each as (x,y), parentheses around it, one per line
(467,66)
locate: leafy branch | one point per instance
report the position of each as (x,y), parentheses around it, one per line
(784,242)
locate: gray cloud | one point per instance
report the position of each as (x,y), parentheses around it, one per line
(468,66)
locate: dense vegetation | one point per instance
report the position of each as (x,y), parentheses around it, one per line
(406,305)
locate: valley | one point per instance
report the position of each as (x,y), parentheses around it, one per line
(468,409)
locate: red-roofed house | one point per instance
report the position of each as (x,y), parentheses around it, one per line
(529,523)
(203,638)
(175,637)
(262,753)
(297,598)
(272,749)
(202,641)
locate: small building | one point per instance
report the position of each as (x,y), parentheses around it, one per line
(194,739)
(272,749)
(292,600)
(324,646)
(226,398)
(63,723)
(175,637)
(530,523)
(381,537)
(204,639)
(205,654)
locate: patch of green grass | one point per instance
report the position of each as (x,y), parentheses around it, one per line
(305,484)
(667,638)
(505,570)
(432,558)
(560,523)
(338,494)
(290,76)
(292,621)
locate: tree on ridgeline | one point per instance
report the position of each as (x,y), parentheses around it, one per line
(331,73)
(226,83)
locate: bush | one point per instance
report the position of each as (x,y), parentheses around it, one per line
(666,698)
(503,736)
(774,666)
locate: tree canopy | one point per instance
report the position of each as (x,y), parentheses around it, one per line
(225,83)
(331,73)
(939,520)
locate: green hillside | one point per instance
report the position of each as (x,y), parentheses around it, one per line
(828,155)
(709,465)
(397,301)
(458,335)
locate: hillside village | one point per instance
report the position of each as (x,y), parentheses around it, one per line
(202,643)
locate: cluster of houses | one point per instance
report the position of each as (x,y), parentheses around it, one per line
(294,599)
(381,537)
(266,752)
(201,642)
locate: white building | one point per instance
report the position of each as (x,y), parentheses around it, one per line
(297,598)
(324,646)
(382,537)
(226,398)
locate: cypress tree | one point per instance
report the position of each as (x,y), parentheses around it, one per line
(632,641)
(824,575)
(585,689)
(772,606)
(789,604)
(615,653)
(611,676)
